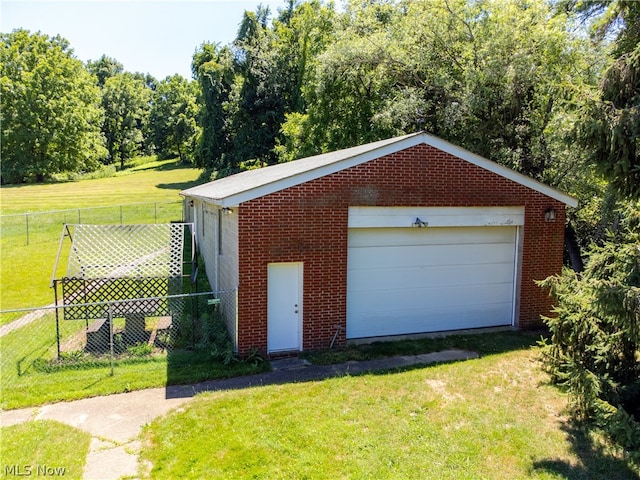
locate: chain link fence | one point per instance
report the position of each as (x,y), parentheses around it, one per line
(38,227)
(47,356)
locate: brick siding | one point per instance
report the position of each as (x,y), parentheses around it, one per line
(308,223)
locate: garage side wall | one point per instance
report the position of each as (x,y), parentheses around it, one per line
(217,241)
(309,223)
(227,255)
(204,218)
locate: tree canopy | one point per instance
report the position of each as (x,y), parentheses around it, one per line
(172,118)
(60,116)
(126,103)
(610,130)
(50,109)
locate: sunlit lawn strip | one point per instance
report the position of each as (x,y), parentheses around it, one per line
(489,418)
(43,449)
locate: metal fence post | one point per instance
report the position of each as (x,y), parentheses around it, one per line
(111,349)
(27,220)
(55,296)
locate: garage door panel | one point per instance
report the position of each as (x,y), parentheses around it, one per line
(406,280)
(432,320)
(382,237)
(385,257)
(441,275)
(399,300)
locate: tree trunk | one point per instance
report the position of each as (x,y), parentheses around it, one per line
(573,249)
(180,153)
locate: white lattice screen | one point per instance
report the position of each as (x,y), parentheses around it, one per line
(117,262)
(126,251)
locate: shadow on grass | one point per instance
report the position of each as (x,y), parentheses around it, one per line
(381,358)
(178,185)
(597,461)
(164,166)
(186,367)
(489,343)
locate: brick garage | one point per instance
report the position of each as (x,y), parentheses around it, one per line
(305,244)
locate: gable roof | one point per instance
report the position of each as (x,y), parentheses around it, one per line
(242,187)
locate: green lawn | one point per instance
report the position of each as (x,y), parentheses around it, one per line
(491,418)
(26,269)
(26,273)
(158,181)
(26,380)
(496,417)
(43,449)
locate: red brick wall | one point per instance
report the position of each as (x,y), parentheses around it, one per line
(308,223)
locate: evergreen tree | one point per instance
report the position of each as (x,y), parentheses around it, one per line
(611,126)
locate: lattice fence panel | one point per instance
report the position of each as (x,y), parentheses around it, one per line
(110,263)
(115,251)
(84,298)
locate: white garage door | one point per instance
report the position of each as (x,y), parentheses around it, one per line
(416,280)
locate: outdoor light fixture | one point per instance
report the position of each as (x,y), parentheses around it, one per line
(419,223)
(549,215)
(191,203)
(227,211)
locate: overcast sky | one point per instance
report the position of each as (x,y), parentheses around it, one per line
(148,36)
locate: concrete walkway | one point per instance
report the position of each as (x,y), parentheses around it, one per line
(33,315)
(115,421)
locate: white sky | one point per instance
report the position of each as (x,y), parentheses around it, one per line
(149,36)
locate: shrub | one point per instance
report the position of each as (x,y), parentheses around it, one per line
(594,350)
(140,349)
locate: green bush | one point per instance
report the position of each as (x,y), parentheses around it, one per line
(140,349)
(594,350)
(106,171)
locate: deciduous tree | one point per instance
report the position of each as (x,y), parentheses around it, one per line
(51,111)
(126,102)
(103,68)
(212,67)
(173,118)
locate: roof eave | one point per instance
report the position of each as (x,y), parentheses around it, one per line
(322,170)
(400,143)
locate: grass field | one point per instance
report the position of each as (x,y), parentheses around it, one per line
(26,273)
(26,269)
(43,449)
(492,418)
(25,384)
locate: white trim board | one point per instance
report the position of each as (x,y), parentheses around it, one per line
(393,217)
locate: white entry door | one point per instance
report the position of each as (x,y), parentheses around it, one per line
(284,307)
